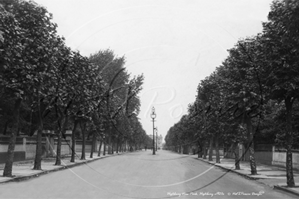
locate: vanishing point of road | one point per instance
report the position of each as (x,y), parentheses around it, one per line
(141,175)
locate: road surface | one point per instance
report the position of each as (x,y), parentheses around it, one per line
(141,175)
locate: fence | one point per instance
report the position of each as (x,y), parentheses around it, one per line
(25,147)
(267,154)
(279,158)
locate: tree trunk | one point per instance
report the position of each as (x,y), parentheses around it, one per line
(61,131)
(38,154)
(251,146)
(104,146)
(217,150)
(5,127)
(200,151)
(82,126)
(210,153)
(204,151)
(117,147)
(93,144)
(100,145)
(289,144)
(109,150)
(58,148)
(237,156)
(120,147)
(73,141)
(12,140)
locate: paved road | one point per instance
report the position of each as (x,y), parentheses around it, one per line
(141,175)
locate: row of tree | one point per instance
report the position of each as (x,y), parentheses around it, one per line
(44,85)
(252,96)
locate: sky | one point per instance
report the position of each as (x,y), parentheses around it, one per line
(173,43)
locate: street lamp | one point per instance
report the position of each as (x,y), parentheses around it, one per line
(156,137)
(153,116)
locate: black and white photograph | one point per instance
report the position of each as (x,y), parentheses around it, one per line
(149,99)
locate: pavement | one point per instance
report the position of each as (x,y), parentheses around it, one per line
(23,170)
(273,176)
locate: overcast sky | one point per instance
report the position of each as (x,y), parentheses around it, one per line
(174,43)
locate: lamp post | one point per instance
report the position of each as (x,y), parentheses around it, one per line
(156,137)
(153,116)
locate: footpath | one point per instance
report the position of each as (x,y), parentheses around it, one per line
(23,170)
(273,176)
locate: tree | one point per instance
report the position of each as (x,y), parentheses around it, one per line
(120,96)
(243,80)
(27,33)
(281,44)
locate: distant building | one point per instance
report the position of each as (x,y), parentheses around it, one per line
(159,140)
